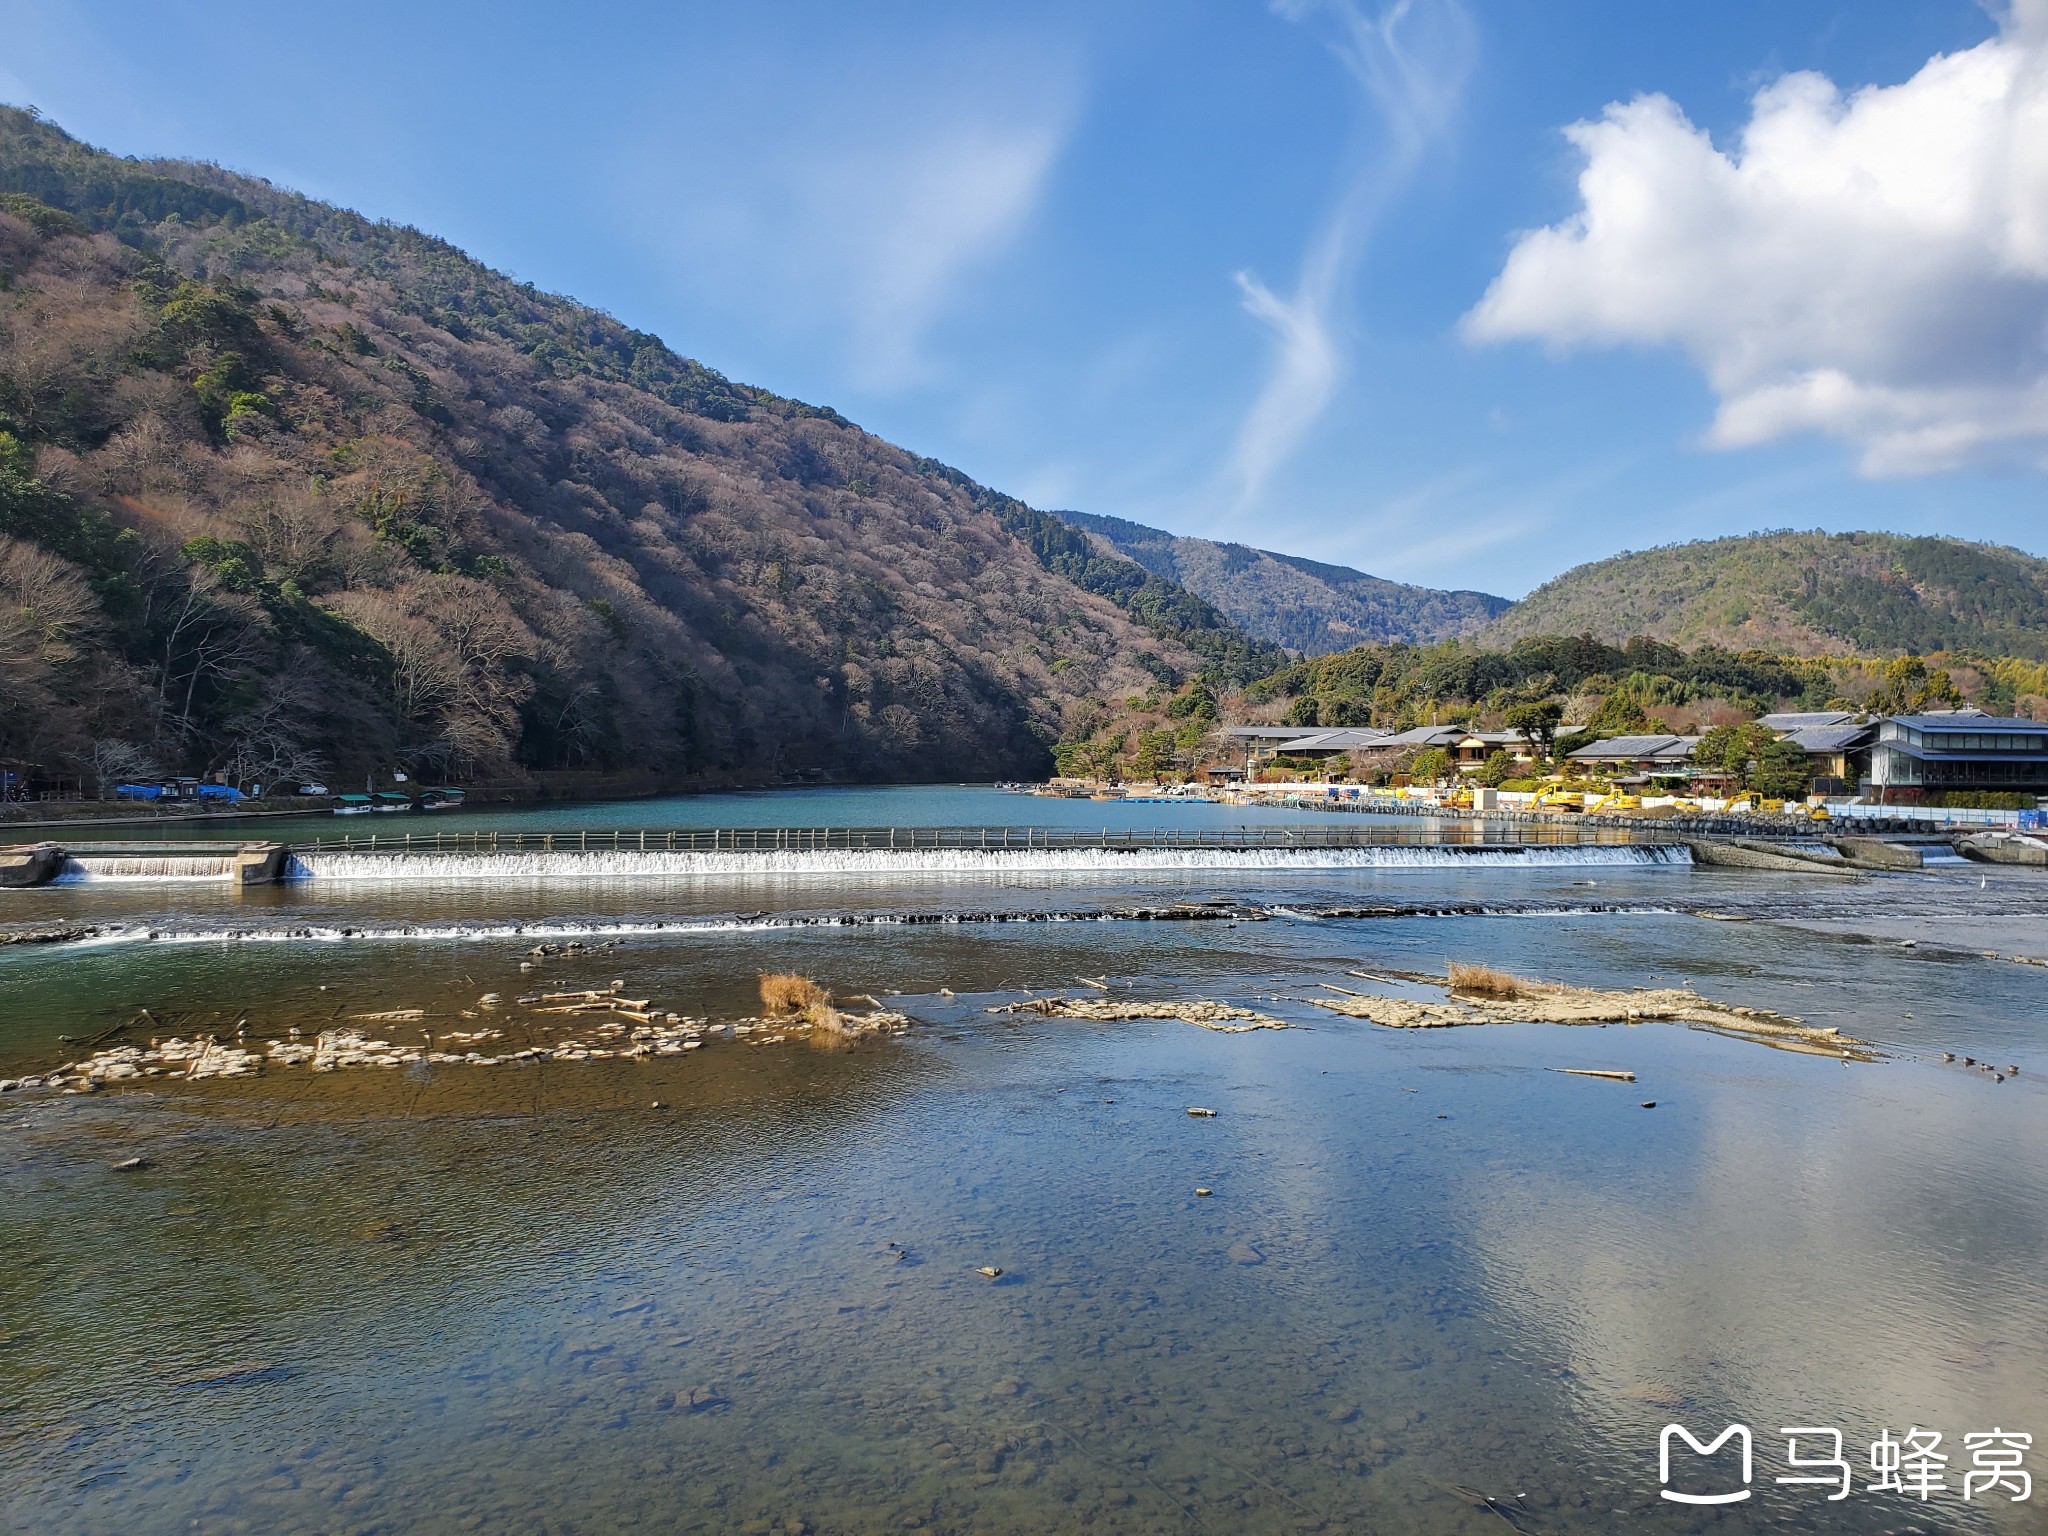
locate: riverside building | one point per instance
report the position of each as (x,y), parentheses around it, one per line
(1963,750)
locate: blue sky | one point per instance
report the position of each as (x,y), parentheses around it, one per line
(1236,270)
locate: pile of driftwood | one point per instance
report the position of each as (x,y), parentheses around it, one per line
(585,1024)
(1224,1018)
(1538,1002)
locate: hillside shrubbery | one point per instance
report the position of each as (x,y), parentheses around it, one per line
(1870,594)
(338,497)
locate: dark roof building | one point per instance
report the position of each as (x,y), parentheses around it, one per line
(1424,736)
(1961,750)
(1272,732)
(1644,754)
(1343,739)
(1305,740)
(1807,720)
(1839,754)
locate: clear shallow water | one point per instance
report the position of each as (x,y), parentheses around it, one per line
(485,1299)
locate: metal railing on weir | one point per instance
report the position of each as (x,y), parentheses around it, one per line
(986,839)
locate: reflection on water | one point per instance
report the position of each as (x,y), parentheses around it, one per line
(523,1298)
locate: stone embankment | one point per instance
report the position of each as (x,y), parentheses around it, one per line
(30,864)
(1743,854)
(1879,854)
(2004,848)
(33,864)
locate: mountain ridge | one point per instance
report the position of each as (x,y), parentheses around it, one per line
(1801,593)
(1309,606)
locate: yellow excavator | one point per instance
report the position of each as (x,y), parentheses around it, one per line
(1560,797)
(1615,800)
(1751,801)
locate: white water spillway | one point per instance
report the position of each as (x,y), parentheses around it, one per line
(82,868)
(878,863)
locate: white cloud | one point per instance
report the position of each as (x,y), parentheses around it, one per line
(1873,267)
(896,228)
(1305,371)
(856,213)
(1410,67)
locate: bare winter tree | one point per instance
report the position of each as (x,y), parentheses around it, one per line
(293,534)
(121,762)
(267,743)
(424,674)
(209,636)
(47,612)
(46,607)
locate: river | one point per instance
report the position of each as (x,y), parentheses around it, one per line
(1431,1269)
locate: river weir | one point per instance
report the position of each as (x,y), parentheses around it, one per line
(453,1189)
(880,861)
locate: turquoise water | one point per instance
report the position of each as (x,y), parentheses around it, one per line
(917,806)
(452,1298)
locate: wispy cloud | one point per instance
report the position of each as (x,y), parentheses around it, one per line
(904,225)
(865,210)
(1431,532)
(1409,62)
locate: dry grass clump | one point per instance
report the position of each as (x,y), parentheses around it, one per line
(787,992)
(1485,981)
(829,1028)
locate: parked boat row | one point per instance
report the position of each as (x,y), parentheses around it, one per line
(388,801)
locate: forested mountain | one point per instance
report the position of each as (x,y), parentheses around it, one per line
(1803,594)
(287,490)
(1285,600)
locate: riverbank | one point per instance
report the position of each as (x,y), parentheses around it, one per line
(540,789)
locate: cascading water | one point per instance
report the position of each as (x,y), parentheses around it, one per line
(622,864)
(98,868)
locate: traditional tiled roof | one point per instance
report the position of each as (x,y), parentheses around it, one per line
(1346,739)
(1807,720)
(1424,736)
(1832,738)
(1620,749)
(1969,720)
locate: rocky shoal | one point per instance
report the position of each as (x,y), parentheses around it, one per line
(622,1029)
